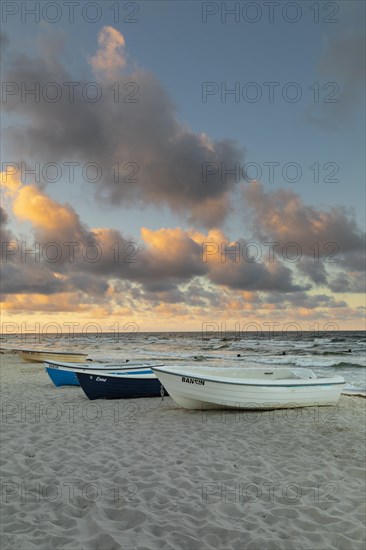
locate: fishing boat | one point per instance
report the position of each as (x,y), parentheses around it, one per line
(39,356)
(131,383)
(248,388)
(64,374)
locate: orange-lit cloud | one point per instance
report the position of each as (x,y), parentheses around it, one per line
(110,57)
(10,182)
(62,302)
(169,280)
(30,204)
(170,244)
(51,221)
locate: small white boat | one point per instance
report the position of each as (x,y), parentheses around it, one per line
(39,356)
(248,388)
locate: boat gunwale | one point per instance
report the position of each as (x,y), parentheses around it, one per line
(336,380)
(89,369)
(52,352)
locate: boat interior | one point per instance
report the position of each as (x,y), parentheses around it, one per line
(252,373)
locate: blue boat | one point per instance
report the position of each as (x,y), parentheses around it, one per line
(64,374)
(139,383)
(62,377)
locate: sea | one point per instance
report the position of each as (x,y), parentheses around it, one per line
(336,353)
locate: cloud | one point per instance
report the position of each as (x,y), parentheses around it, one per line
(75,302)
(5,233)
(172,253)
(17,276)
(282,216)
(110,58)
(248,274)
(69,256)
(10,182)
(329,244)
(315,271)
(167,270)
(4,42)
(50,259)
(342,66)
(166,266)
(315,301)
(343,60)
(354,261)
(348,282)
(169,258)
(138,126)
(44,213)
(51,221)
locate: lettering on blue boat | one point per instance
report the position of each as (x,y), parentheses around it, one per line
(99,379)
(193,381)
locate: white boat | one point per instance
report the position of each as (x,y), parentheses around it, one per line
(248,388)
(39,356)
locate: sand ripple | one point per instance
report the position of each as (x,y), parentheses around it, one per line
(149,475)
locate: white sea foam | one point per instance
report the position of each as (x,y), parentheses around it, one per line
(307,361)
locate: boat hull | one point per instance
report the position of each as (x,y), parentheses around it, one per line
(199,393)
(102,386)
(64,374)
(41,356)
(62,377)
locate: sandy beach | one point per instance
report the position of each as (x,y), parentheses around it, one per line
(182,185)
(146,474)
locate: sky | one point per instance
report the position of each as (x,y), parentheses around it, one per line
(169,165)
